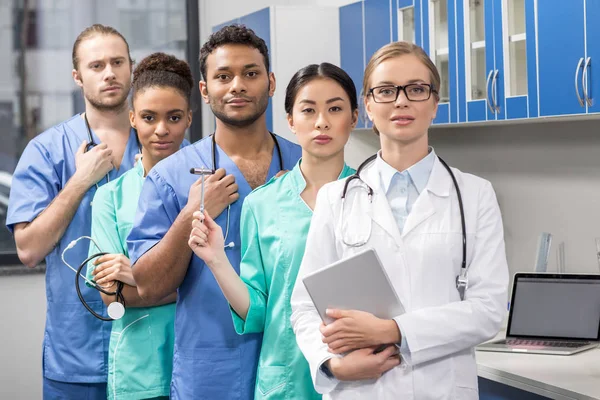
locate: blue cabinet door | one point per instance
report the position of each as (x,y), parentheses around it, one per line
(499,98)
(532,70)
(592,11)
(461,53)
(378,15)
(260,23)
(561,47)
(352,52)
(479,109)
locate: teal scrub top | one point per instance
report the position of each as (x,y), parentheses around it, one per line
(274,225)
(140,354)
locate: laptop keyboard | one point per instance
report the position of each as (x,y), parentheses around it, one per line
(545,343)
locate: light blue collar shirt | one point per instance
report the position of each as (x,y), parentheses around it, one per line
(403,188)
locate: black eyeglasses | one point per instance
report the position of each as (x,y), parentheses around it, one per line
(413,92)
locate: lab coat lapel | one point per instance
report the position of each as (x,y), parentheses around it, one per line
(424,208)
(380,212)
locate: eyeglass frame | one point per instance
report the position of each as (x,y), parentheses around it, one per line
(400,88)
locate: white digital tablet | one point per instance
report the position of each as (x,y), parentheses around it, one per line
(355,283)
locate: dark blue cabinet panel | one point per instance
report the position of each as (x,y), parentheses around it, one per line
(561,41)
(260,23)
(532,76)
(498,60)
(352,53)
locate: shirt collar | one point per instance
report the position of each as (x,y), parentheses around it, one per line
(419,173)
(139,167)
(299,183)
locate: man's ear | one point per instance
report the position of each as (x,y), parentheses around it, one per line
(272,84)
(204,91)
(77,78)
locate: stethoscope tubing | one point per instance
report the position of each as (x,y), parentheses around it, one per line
(463,267)
(214,168)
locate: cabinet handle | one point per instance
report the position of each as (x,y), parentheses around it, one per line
(495,91)
(584,82)
(576,81)
(487,92)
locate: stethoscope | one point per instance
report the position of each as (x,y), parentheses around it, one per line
(91,143)
(214,168)
(116,309)
(462,280)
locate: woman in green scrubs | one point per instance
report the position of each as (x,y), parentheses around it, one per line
(321,107)
(140,353)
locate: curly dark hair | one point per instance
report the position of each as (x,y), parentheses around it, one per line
(163,70)
(232,34)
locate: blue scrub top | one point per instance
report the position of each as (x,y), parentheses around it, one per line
(75,342)
(210,359)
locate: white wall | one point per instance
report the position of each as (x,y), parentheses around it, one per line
(291,52)
(547,179)
(23,311)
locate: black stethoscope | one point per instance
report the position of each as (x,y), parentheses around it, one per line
(91,143)
(116,309)
(214,168)
(461,279)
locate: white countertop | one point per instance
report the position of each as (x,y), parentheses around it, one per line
(557,377)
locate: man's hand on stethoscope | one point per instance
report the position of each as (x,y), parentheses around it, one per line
(353,330)
(113,267)
(220,190)
(92,165)
(206,239)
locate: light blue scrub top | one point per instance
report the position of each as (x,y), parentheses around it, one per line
(75,342)
(210,359)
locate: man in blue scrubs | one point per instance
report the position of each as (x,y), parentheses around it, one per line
(50,205)
(211,361)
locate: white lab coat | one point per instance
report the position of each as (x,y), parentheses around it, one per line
(422,263)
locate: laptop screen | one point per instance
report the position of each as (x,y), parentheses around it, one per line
(555,307)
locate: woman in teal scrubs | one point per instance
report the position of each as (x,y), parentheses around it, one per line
(321,107)
(140,357)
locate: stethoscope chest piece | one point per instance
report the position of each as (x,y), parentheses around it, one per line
(115,310)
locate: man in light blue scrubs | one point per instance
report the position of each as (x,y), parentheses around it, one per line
(210,361)
(50,206)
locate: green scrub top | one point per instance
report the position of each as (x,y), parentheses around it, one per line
(140,356)
(274,225)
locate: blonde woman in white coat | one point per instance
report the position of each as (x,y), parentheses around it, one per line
(414,225)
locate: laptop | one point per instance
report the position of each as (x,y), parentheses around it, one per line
(358,282)
(551,314)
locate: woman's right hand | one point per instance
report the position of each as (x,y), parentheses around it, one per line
(206,239)
(364,364)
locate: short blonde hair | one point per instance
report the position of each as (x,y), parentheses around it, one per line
(91,31)
(396,49)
